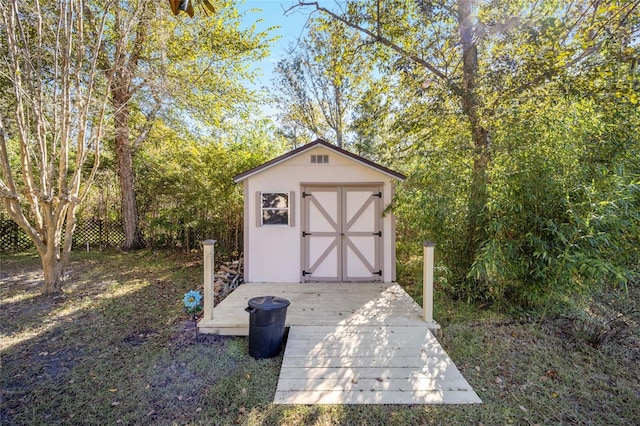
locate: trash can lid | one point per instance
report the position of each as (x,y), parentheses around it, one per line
(268,303)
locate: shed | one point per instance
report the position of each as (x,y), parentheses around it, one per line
(317,214)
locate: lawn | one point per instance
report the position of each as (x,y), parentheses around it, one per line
(116,348)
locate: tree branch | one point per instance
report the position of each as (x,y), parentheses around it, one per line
(148,124)
(386,42)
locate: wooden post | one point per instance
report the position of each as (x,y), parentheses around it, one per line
(427,286)
(209,300)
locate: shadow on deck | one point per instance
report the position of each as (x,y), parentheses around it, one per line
(320,304)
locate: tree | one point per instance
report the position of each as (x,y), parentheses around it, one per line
(187,184)
(190,71)
(485,56)
(50,142)
(410,30)
(321,83)
(130,26)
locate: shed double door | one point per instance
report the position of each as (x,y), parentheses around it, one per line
(341,233)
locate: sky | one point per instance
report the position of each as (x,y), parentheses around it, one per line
(291,28)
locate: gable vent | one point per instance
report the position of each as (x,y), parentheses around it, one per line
(319,159)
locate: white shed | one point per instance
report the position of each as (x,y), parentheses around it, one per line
(316,214)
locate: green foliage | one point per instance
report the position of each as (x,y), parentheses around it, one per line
(432,203)
(187,184)
(555,90)
(319,85)
(560,222)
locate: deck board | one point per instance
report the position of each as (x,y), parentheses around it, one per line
(351,343)
(328,304)
(377,365)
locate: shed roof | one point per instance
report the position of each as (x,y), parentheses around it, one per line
(318,142)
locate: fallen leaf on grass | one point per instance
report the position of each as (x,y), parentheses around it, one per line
(523,409)
(198,409)
(115,403)
(151,412)
(113,390)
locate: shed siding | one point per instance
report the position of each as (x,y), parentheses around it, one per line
(273,252)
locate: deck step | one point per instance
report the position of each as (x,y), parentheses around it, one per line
(369,365)
(210,327)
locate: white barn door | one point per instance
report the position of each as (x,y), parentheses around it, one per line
(341,233)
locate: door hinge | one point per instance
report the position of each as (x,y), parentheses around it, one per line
(306,194)
(304,234)
(379,195)
(378,272)
(305,273)
(379,233)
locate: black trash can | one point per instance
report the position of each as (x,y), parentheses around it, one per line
(267,315)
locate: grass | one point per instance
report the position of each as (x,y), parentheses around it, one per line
(116,348)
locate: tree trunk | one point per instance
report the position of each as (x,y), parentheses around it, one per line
(52,266)
(124,67)
(132,235)
(478,196)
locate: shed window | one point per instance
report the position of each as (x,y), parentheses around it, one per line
(275,208)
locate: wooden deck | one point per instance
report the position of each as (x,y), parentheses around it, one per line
(352,343)
(319,304)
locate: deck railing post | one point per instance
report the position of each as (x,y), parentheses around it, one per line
(427,285)
(209,300)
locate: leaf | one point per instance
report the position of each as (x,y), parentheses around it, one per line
(209,6)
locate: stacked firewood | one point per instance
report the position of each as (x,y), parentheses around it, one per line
(228,277)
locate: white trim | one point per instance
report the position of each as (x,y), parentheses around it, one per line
(304,151)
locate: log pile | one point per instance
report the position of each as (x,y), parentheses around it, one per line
(228,277)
